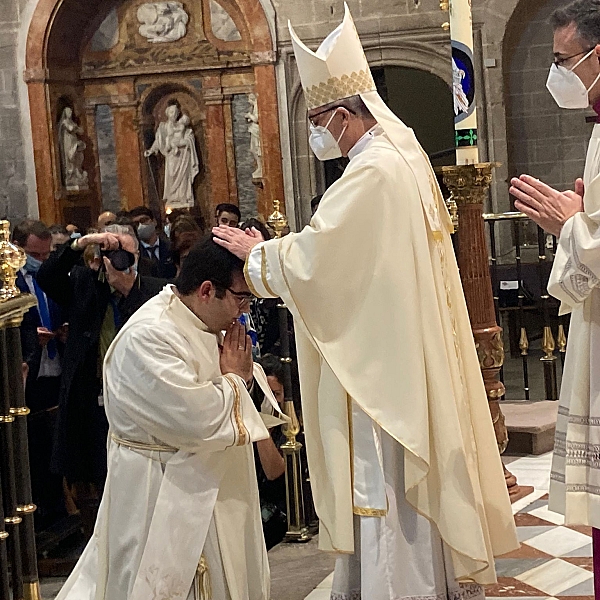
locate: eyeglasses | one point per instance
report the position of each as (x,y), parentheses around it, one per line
(323,112)
(560,61)
(242,297)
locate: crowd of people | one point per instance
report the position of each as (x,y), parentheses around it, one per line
(86,293)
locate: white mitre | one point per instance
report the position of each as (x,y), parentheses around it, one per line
(338,70)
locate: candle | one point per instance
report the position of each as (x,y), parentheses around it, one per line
(463,82)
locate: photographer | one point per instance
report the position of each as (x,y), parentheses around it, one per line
(98,303)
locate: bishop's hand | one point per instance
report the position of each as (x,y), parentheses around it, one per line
(548,207)
(236,241)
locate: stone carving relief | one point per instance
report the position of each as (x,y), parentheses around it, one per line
(254,129)
(162,21)
(71,152)
(222,24)
(176,142)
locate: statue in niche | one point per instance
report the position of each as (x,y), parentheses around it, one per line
(253,127)
(71,152)
(162,21)
(176,142)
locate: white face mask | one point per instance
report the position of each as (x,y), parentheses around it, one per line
(566,88)
(322,142)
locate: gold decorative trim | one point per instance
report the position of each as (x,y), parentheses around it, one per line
(248,279)
(237,412)
(132,445)
(338,88)
(12,520)
(3,535)
(26,509)
(203,585)
(263,272)
(22,411)
(370,512)
(6,418)
(31,591)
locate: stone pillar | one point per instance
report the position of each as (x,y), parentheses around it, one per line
(129,155)
(266,93)
(469,185)
(42,150)
(216,144)
(230,150)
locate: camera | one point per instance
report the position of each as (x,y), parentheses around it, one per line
(120,259)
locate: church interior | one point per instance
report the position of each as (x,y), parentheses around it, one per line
(109,105)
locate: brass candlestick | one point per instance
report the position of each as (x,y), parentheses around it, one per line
(297,529)
(468,185)
(12,258)
(277,220)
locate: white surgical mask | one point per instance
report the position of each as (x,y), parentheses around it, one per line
(322,142)
(566,88)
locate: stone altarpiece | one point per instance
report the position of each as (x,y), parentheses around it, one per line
(118,65)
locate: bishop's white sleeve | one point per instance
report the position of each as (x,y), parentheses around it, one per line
(576,269)
(152,385)
(262,270)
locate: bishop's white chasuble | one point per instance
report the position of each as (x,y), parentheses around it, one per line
(403,461)
(180,515)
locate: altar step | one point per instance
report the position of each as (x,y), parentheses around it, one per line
(531,426)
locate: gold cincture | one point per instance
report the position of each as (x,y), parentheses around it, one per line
(12,258)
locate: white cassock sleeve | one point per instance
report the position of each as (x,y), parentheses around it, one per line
(259,273)
(576,269)
(154,378)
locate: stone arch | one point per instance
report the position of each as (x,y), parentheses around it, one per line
(60,29)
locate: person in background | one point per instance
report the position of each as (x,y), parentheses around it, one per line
(98,304)
(73,231)
(228,215)
(42,342)
(60,236)
(314,204)
(185,233)
(106,218)
(153,247)
(270,466)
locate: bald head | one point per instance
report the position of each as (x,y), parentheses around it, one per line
(106,218)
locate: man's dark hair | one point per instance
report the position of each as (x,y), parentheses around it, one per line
(249,223)
(354,104)
(586,16)
(54,229)
(230,208)
(208,261)
(314,203)
(272,367)
(138,211)
(30,227)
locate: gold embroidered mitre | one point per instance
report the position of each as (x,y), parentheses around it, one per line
(337,70)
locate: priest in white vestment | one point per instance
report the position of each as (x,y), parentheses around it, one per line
(405,471)
(180,515)
(574,81)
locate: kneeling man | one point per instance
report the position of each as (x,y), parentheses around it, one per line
(180,515)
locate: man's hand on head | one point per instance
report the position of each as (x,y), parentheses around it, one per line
(548,207)
(236,241)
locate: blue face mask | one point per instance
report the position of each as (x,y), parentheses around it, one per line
(32,265)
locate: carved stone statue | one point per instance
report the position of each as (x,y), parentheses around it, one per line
(71,152)
(162,21)
(253,127)
(176,142)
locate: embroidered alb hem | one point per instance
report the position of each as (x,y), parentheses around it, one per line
(467,591)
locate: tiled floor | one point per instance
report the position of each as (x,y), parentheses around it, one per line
(553,561)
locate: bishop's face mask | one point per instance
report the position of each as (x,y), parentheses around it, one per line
(322,142)
(566,88)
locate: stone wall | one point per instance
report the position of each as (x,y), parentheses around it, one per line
(13,189)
